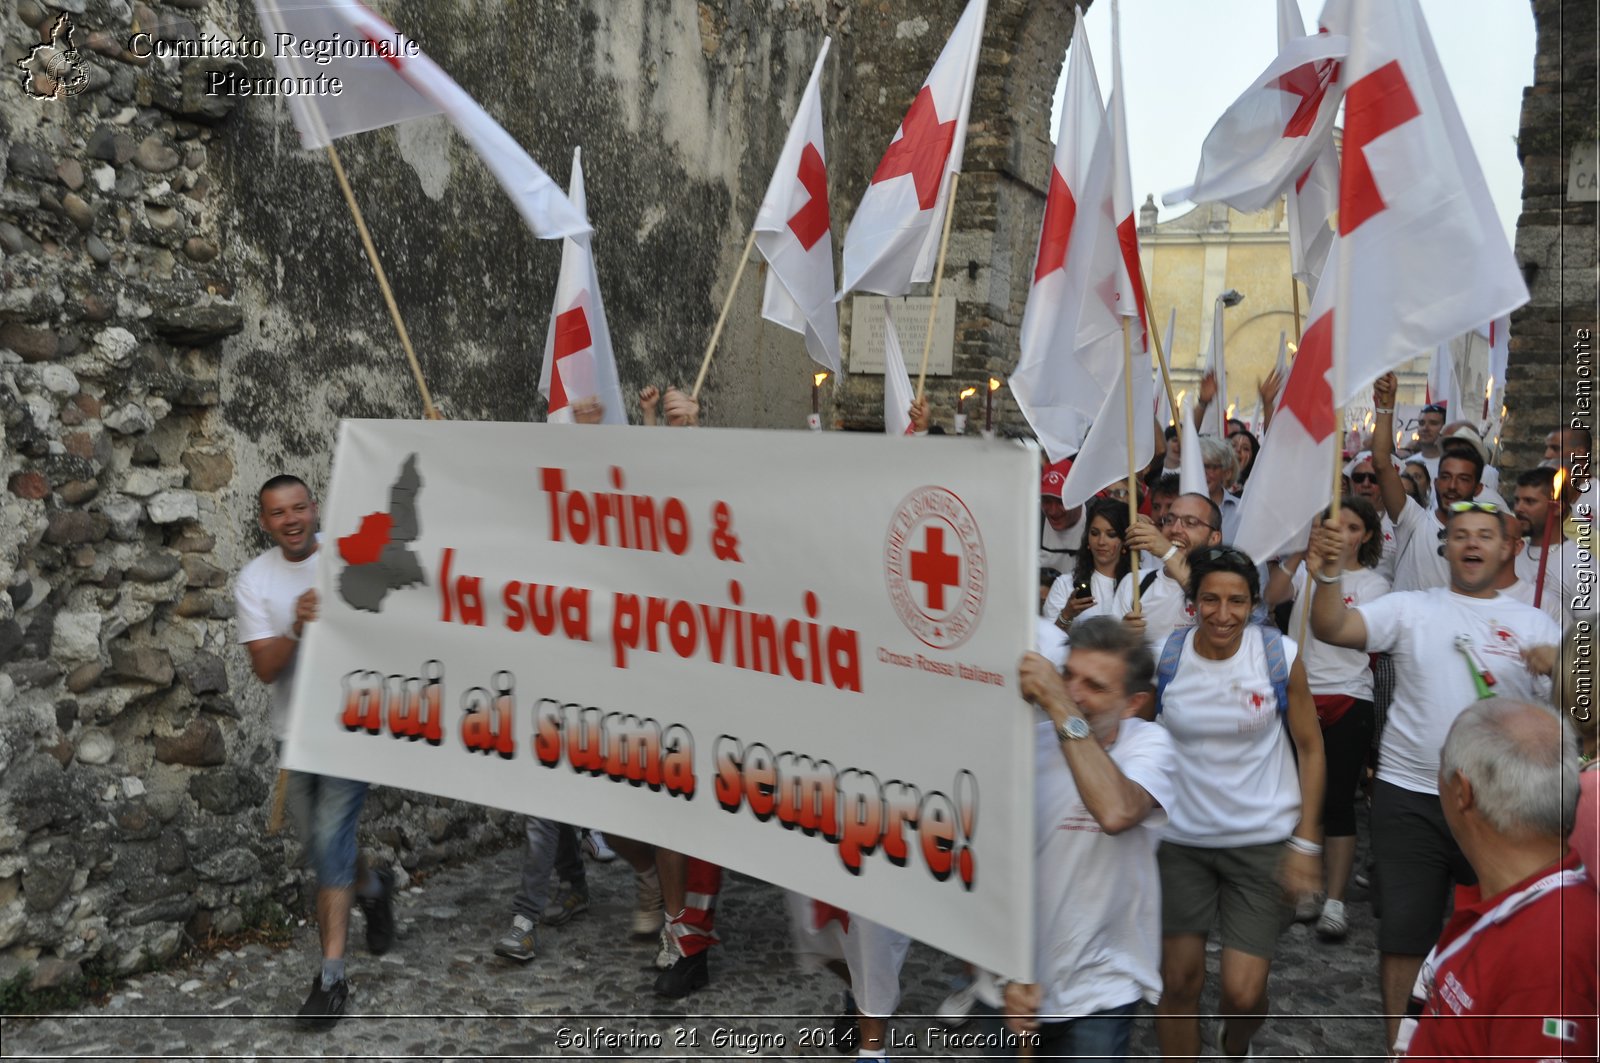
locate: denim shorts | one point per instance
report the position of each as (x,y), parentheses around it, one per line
(325,811)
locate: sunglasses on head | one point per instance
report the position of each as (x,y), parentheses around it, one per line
(1363,477)
(1474,507)
(1433,407)
(1227,554)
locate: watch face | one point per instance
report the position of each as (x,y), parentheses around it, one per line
(1076,727)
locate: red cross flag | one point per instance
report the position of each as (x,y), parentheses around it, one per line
(1292,480)
(578,362)
(893,239)
(793,232)
(1071,352)
(1424,257)
(1130,284)
(1311,198)
(391,81)
(1276,128)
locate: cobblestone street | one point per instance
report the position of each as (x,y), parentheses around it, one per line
(441,993)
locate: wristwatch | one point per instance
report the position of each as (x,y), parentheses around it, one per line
(1074,728)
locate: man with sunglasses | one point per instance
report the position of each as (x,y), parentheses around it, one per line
(1457,477)
(1192,520)
(1364,484)
(1452,645)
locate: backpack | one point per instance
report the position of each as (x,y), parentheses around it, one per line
(1271,645)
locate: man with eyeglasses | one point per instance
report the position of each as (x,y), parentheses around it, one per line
(1457,477)
(1193,520)
(1452,645)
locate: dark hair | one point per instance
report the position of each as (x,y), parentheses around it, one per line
(1371,551)
(1434,407)
(1116,515)
(1541,476)
(1464,451)
(1167,485)
(1204,560)
(283,479)
(1171,432)
(1110,635)
(1255,449)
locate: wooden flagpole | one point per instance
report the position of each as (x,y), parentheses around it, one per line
(1133,471)
(1294,287)
(722,318)
(938,278)
(1161,355)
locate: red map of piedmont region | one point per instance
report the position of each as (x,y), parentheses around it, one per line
(366,545)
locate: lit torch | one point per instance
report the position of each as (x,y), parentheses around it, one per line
(815,420)
(1550,516)
(988,406)
(961,410)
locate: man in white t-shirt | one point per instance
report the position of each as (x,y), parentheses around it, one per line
(1430,425)
(1192,520)
(1569,574)
(1102,782)
(1452,646)
(1458,477)
(276,597)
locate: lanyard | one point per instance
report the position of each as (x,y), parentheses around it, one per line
(1422,991)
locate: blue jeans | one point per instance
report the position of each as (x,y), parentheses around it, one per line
(325,811)
(550,845)
(1101,1036)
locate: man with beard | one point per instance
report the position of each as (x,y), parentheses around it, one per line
(1164,606)
(1452,645)
(1419,565)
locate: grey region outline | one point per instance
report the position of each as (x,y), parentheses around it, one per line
(364,587)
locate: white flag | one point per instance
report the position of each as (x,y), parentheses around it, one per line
(1164,355)
(794,232)
(1312,198)
(897,393)
(893,240)
(1103,460)
(1423,255)
(1071,349)
(1273,131)
(1216,416)
(393,82)
(1191,463)
(1130,279)
(1292,479)
(578,361)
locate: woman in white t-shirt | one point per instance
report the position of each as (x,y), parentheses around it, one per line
(1341,682)
(1102,562)
(1244,826)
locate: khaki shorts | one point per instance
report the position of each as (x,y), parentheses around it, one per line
(1234,889)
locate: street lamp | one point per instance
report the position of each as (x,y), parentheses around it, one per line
(1231,297)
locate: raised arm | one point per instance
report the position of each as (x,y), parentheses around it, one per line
(1331,620)
(1389,485)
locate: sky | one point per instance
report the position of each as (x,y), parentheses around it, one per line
(1184,61)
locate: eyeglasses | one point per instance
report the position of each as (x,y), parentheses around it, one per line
(1227,554)
(1475,507)
(1363,477)
(1191,523)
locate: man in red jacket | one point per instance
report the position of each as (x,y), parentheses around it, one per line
(1513,976)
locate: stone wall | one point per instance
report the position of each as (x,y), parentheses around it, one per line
(185,310)
(1555,235)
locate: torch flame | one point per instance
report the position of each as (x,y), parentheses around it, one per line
(1555,488)
(1231,405)
(1292,348)
(967,394)
(1181,396)
(818,378)
(1488,386)
(994,385)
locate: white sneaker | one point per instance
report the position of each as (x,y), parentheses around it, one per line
(955,1009)
(1334,925)
(594,843)
(648,909)
(1217,1029)
(669,953)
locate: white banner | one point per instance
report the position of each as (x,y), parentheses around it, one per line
(790,654)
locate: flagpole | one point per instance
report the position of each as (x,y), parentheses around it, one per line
(938,278)
(383,283)
(722,318)
(1161,355)
(1294,286)
(1133,472)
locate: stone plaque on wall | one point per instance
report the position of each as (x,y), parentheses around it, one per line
(911,324)
(1583,174)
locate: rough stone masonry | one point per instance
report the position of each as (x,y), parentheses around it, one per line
(185,310)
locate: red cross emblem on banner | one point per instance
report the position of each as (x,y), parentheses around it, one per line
(934,568)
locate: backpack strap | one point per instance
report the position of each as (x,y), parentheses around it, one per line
(1149,578)
(1167,665)
(1277,665)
